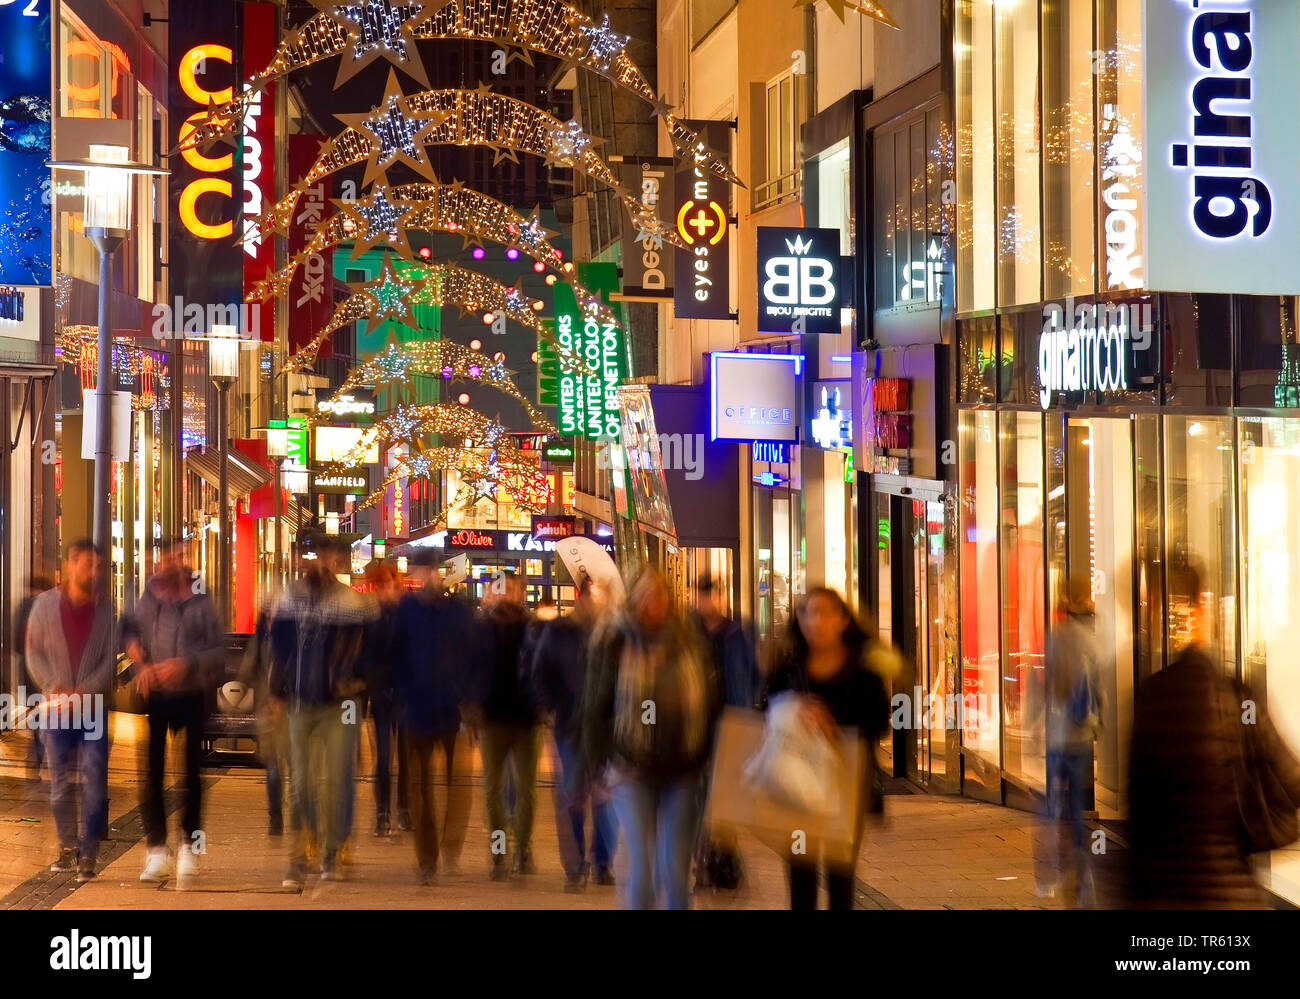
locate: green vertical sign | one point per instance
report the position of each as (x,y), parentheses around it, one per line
(587,399)
(548,368)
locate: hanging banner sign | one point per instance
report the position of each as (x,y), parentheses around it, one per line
(647,260)
(1222,124)
(309,300)
(702,272)
(587,399)
(206,262)
(261,29)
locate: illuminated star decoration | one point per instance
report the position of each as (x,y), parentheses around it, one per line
(396,132)
(391,296)
(378,29)
(568,144)
(867,8)
(604,44)
(376,218)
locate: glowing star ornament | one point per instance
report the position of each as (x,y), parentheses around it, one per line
(569,145)
(604,44)
(377,29)
(865,7)
(396,132)
(376,218)
(391,297)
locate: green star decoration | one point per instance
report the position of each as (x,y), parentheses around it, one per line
(391,295)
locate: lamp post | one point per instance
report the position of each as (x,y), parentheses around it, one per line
(106,217)
(223,369)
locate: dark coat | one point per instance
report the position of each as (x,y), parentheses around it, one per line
(558,672)
(498,683)
(1186,836)
(316,642)
(732,648)
(430,654)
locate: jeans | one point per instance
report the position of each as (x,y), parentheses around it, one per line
(660,824)
(803,886)
(273,746)
(1068,774)
(321,749)
(385,725)
(174,713)
(351,756)
(421,747)
(70,753)
(518,743)
(573,792)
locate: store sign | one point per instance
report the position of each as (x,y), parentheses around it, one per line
(771,452)
(755,396)
(206,263)
(888,426)
(260,30)
(353,482)
(1092,355)
(342,443)
(501,541)
(558,451)
(922,280)
(831,425)
(309,300)
(587,399)
(26,205)
(647,259)
(396,499)
(552,528)
(702,272)
(798,280)
(1223,157)
(353,404)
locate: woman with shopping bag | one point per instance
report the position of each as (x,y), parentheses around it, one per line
(823,683)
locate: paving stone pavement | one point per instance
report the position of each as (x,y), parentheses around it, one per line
(929,852)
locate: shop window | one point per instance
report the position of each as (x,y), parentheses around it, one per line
(980,660)
(1269,352)
(1197,347)
(1200,525)
(910,254)
(1068,192)
(1018,143)
(1023,592)
(973,44)
(1150,563)
(979,360)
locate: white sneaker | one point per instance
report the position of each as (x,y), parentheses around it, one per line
(187,868)
(156,865)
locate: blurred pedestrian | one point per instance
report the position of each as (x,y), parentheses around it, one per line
(317,639)
(827,663)
(1211,781)
(502,708)
(36,585)
(731,654)
(1073,720)
(432,649)
(558,673)
(272,720)
(386,586)
(69,646)
(175,641)
(649,711)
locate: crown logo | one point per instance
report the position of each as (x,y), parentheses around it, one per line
(799,247)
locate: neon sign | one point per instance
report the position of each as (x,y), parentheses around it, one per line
(1090,356)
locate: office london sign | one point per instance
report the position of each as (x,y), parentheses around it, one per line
(1222,127)
(1090,356)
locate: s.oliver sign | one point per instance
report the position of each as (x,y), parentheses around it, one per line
(798,280)
(1222,128)
(499,541)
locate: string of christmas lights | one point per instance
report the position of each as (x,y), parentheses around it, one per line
(392,294)
(399,363)
(388,31)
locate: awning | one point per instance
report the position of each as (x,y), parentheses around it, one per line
(242,474)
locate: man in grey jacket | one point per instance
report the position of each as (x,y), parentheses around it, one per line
(70,658)
(175,641)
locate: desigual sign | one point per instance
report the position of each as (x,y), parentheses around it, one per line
(1222,126)
(798,280)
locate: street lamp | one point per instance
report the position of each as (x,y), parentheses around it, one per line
(105,220)
(223,368)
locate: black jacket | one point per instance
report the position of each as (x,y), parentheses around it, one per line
(430,656)
(558,672)
(499,685)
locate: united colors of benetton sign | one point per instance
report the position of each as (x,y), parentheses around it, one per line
(1222,125)
(798,280)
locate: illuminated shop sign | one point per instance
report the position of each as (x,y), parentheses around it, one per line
(1091,355)
(552,528)
(1221,118)
(353,482)
(346,405)
(260,22)
(502,541)
(770,451)
(647,259)
(702,271)
(754,397)
(342,443)
(922,280)
(587,400)
(831,425)
(798,280)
